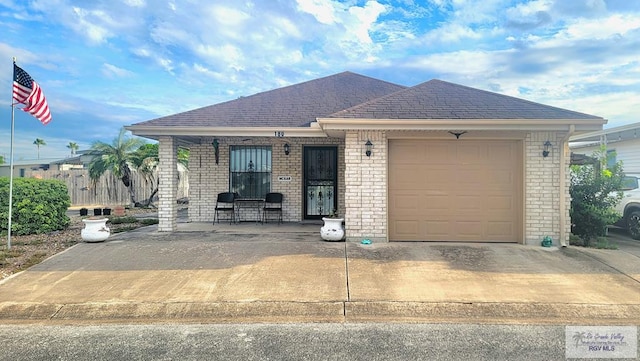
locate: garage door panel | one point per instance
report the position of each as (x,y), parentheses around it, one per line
(469,229)
(500,203)
(406,202)
(499,230)
(436,154)
(466,176)
(469,154)
(407,227)
(438,229)
(500,152)
(466,203)
(454,190)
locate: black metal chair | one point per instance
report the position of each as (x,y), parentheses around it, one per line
(272,204)
(225,203)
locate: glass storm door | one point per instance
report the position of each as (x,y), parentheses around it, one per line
(320,181)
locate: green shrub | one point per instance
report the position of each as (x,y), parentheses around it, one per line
(595,190)
(121,220)
(603,243)
(39,206)
(149,221)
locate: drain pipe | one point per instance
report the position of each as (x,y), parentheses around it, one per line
(563,184)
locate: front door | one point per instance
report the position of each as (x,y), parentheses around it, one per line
(320,181)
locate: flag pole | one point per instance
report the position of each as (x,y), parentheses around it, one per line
(11,169)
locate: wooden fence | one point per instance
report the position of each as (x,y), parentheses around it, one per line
(108,190)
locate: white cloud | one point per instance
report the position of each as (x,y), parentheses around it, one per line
(166,64)
(615,25)
(352,27)
(135,3)
(229,55)
(228,16)
(323,10)
(85,25)
(141,52)
(615,106)
(460,64)
(112,71)
(362,19)
(451,33)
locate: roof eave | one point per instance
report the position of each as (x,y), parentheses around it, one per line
(313,131)
(581,125)
(595,136)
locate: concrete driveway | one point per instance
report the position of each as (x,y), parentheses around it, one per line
(271,273)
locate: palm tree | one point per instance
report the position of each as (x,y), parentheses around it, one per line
(38,142)
(74,147)
(116,157)
(146,161)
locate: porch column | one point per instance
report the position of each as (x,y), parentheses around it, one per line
(167,184)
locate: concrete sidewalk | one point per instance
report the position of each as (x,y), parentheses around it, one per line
(278,274)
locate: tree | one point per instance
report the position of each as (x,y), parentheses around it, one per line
(595,190)
(146,161)
(1,159)
(115,157)
(39,142)
(74,147)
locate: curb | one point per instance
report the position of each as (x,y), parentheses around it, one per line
(325,312)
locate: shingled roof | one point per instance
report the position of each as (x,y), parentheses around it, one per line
(292,106)
(437,99)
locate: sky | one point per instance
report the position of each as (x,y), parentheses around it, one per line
(105,64)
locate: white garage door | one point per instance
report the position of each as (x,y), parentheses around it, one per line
(455,190)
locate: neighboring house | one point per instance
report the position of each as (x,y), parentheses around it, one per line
(622,143)
(446,162)
(22,167)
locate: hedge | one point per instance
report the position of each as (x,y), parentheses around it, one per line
(39,206)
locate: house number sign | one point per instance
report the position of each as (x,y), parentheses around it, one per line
(279,134)
(284,178)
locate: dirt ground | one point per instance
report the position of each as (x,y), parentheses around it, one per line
(29,250)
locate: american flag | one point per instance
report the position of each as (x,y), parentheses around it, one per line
(28,92)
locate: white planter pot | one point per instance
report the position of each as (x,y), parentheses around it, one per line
(95,230)
(332,229)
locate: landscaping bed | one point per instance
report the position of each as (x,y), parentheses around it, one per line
(32,249)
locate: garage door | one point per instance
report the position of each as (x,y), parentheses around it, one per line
(458,190)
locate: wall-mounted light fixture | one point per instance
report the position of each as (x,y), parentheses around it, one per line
(287,148)
(546,151)
(368,146)
(216,149)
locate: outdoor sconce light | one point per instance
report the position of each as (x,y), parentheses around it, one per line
(368,146)
(216,149)
(287,148)
(546,151)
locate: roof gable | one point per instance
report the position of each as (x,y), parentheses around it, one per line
(437,99)
(291,106)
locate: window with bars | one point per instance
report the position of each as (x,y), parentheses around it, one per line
(250,171)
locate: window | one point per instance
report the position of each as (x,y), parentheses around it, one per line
(611,158)
(629,183)
(250,171)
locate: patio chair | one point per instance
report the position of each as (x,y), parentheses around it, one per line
(272,204)
(225,203)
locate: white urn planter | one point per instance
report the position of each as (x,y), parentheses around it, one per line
(332,229)
(95,230)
